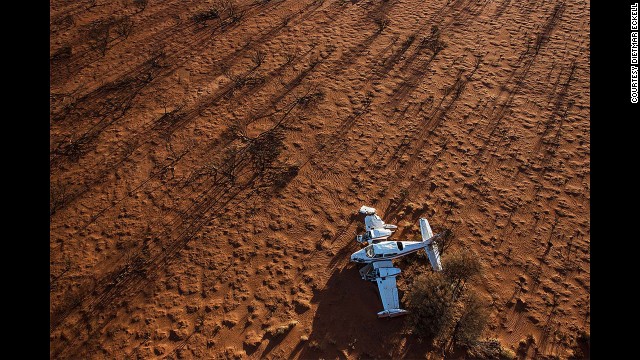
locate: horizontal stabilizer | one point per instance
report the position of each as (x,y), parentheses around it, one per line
(432,248)
(425,229)
(434,256)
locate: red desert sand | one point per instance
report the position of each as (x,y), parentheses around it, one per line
(208,159)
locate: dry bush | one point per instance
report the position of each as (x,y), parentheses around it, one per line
(315,346)
(582,347)
(433,42)
(230,9)
(266,148)
(258,58)
(289,57)
(98,35)
(445,240)
(382,23)
(430,302)
(141,4)
(64,53)
(490,349)
(443,310)
(123,27)
(209,14)
(459,267)
(310,99)
(472,321)
(58,195)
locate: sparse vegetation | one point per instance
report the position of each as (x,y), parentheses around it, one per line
(141,4)
(446,312)
(382,23)
(123,27)
(444,241)
(431,304)
(230,9)
(472,321)
(98,35)
(460,267)
(490,349)
(258,58)
(58,196)
(209,14)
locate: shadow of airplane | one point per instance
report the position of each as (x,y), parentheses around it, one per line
(346,325)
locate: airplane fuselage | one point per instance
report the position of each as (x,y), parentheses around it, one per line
(387,250)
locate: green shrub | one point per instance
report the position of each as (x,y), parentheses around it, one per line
(431,306)
(472,321)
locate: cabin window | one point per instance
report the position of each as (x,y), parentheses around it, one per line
(400,245)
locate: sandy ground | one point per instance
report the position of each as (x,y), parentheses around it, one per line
(206,170)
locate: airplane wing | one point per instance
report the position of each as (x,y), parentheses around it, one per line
(375,228)
(372,222)
(386,279)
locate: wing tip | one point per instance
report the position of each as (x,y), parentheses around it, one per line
(392,313)
(367,210)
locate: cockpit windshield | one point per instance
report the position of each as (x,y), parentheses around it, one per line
(369,251)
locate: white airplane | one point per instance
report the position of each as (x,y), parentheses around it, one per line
(377,230)
(380,269)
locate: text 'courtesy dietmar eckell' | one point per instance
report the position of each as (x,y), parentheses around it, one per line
(634,53)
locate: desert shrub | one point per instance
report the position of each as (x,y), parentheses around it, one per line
(461,266)
(258,58)
(431,305)
(63,53)
(58,196)
(472,321)
(266,148)
(490,349)
(141,4)
(98,35)
(124,26)
(442,309)
(433,42)
(445,239)
(382,23)
(209,14)
(230,8)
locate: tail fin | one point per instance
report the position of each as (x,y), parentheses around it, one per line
(432,248)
